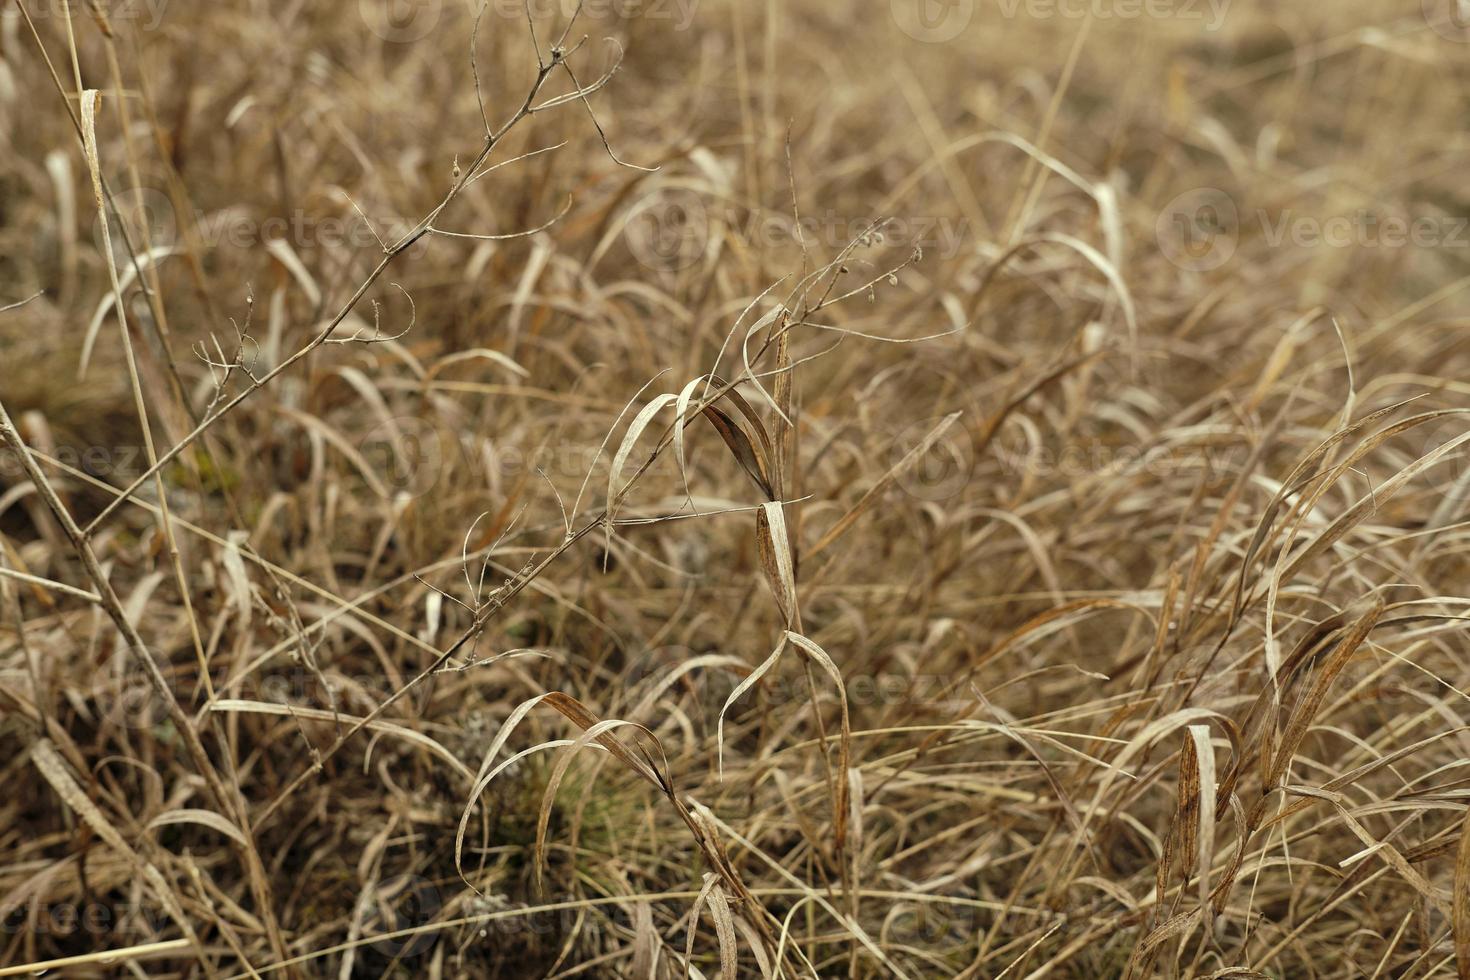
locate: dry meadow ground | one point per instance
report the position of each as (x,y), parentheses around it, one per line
(906,488)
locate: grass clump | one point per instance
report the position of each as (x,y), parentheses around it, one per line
(728,489)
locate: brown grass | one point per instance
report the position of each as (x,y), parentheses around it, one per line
(715,488)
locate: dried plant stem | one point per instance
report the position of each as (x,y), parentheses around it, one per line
(425,226)
(228,802)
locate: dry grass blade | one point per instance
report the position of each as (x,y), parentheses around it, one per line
(1202,757)
(204,818)
(109,957)
(625,448)
(751,680)
(909,459)
(237,706)
(1461,918)
(600,732)
(773,543)
(53,768)
(1305,711)
(742,449)
(844,760)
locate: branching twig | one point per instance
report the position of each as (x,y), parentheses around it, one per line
(424,227)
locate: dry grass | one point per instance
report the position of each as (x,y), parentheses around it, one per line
(781,491)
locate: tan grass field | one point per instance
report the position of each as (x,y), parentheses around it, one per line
(703,488)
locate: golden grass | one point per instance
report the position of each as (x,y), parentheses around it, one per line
(693,488)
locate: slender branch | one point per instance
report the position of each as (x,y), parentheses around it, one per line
(425,226)
(47,583)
